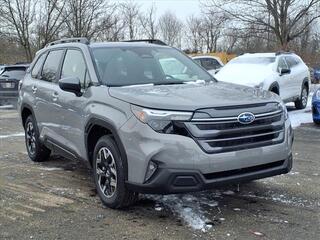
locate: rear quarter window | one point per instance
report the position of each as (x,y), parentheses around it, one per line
(36,70)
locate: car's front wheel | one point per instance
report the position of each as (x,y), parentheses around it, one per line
(302,102)
(36,150)
(109,175)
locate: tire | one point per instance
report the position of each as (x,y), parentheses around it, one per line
(108,168)
(36,150)
(302,102)
(316,122)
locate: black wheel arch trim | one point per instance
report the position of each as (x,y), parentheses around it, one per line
(95,121)
(306,81)
(275,84)
(26,106)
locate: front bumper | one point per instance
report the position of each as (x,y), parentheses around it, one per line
(168,181)
(176,153)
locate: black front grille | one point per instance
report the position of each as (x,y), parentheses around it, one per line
(216,175)
(217,135)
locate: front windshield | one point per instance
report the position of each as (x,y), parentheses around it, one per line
(254,60)
(123,66)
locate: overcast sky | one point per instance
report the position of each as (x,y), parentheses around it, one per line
(182,8)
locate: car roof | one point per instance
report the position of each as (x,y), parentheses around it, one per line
(205,56)
(17,66)
(258,55)
(125,44)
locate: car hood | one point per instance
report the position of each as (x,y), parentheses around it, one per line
(245,74)
(190,97)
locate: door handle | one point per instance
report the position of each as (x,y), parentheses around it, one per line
(34,89)
(55,96)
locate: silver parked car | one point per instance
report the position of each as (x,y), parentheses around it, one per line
(145,127)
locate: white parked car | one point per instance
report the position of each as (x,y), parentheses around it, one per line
(210,63)
(282,73)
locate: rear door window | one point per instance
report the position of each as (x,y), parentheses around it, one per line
(51,66)
(291,61)
(210,64)
(282,64)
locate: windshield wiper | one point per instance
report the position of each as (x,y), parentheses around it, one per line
(169,83)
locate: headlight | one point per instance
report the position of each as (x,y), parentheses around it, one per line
(318,94)
(159,120)
(284,109)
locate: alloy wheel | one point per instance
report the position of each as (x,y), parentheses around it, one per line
(304,97)
(106,172)
(31,138)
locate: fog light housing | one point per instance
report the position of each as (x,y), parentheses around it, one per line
(152,167)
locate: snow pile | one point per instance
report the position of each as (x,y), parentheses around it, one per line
(188,207)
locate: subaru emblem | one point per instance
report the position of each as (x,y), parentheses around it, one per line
(246,118)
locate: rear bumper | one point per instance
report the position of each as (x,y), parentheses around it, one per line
(9,95)
(168,181)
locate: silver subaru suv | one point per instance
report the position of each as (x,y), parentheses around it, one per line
(148,119)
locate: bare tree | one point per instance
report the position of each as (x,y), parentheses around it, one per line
(115,31)
(86,18)
(213,25)
(149,22)
(130,14)
(49,22)
(194,33)
(17,17)
(171,28)
(283,18)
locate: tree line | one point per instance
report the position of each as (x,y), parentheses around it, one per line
(233,26)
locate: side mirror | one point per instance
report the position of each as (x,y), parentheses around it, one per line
(217,70)
(71,84)
(284,71)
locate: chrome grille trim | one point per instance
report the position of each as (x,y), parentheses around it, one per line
(235,118)
(225,134)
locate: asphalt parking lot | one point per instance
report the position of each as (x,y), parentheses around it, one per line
(57,200)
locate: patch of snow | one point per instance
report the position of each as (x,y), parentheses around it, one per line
(298,117)
(6,106)
(228,192)
(50,169)
(188,207)
(237,209)
(12,135)
(293,201)
(256,233)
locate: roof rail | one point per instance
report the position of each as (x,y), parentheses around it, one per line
(69,40)
(283,52)
(152,41)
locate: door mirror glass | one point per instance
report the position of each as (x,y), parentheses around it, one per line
(71,84)
(284,71)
